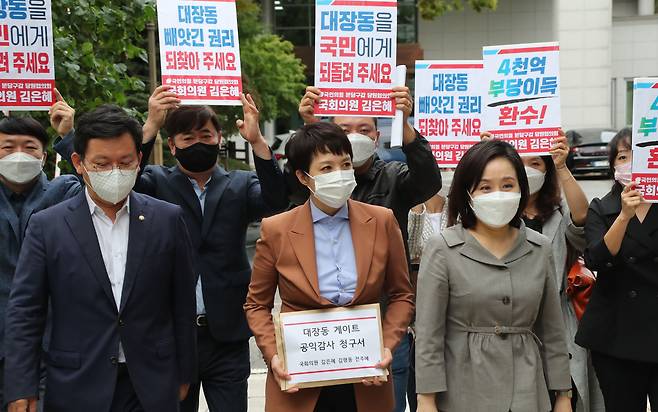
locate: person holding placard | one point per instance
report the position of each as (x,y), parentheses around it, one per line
(330,252)
(619,326)
(489,329)
(557,208)
(395,185)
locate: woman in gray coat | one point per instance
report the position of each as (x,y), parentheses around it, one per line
(557,208)
(490,334)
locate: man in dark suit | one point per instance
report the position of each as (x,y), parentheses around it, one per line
(24,190)
(116,267)
(217,206)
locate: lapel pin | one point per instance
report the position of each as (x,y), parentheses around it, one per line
(141,218)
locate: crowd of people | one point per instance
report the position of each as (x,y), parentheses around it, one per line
(127,286)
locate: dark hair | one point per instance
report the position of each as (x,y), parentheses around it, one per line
(106,122)
(624,136)
(25,126)
(333,120)
(189,118)
(549,196)
(313,139)
(469,173)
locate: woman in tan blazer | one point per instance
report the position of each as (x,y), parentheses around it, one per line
(489,330)
(361,259)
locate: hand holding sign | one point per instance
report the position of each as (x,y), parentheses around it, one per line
(631,198)
(386,361)
(61,115)
(161,101)
(560,151)
(280,374)
(307,105)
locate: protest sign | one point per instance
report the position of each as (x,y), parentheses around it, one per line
(645,137)
(355,54)
(199,50)
(449,106)
(522,96)
(330,346)
(27,63)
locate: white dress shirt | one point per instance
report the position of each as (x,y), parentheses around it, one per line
(113,242)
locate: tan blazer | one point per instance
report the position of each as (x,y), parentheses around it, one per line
(285,258)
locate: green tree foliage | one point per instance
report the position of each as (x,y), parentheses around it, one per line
(431,9)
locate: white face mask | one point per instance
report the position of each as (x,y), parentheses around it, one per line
(333,189)
(446,183)
(536,179)
(623,173)
(496,209)
(113,186)
(20,168)
(363,147)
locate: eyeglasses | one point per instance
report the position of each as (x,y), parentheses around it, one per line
(124,169)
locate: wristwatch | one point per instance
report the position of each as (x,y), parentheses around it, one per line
(568,394)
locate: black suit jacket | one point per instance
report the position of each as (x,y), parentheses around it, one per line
(621,318)
(233,200)
(61,260)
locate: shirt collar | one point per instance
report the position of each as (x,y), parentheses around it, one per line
(318,215)
(196,185)
(94,208)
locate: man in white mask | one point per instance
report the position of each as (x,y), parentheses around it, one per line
(395,185)
(116,267)
(24,190)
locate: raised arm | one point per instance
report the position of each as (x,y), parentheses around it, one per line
(267,194)
(573,192)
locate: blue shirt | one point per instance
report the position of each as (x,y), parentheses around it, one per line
(201,194)
(334,253)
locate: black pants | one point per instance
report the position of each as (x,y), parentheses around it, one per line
(125,399)
(411,385)
(626,384)
(223,371)
(338,398)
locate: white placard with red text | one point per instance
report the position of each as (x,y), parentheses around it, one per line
(645,137)
(27,62)
(330,346)
(522,95)
(355,54)
(199,50)
(448,106)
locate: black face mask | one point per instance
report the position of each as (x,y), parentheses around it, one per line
(199,157)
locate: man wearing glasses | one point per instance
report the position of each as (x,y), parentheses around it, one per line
(116,267)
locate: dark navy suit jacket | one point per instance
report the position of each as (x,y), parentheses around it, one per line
(61,260)
(12,230)
(233,200)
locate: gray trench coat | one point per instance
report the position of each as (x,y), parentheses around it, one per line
(490,335)
(560,229)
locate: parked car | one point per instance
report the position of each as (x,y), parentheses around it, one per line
(589,151)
